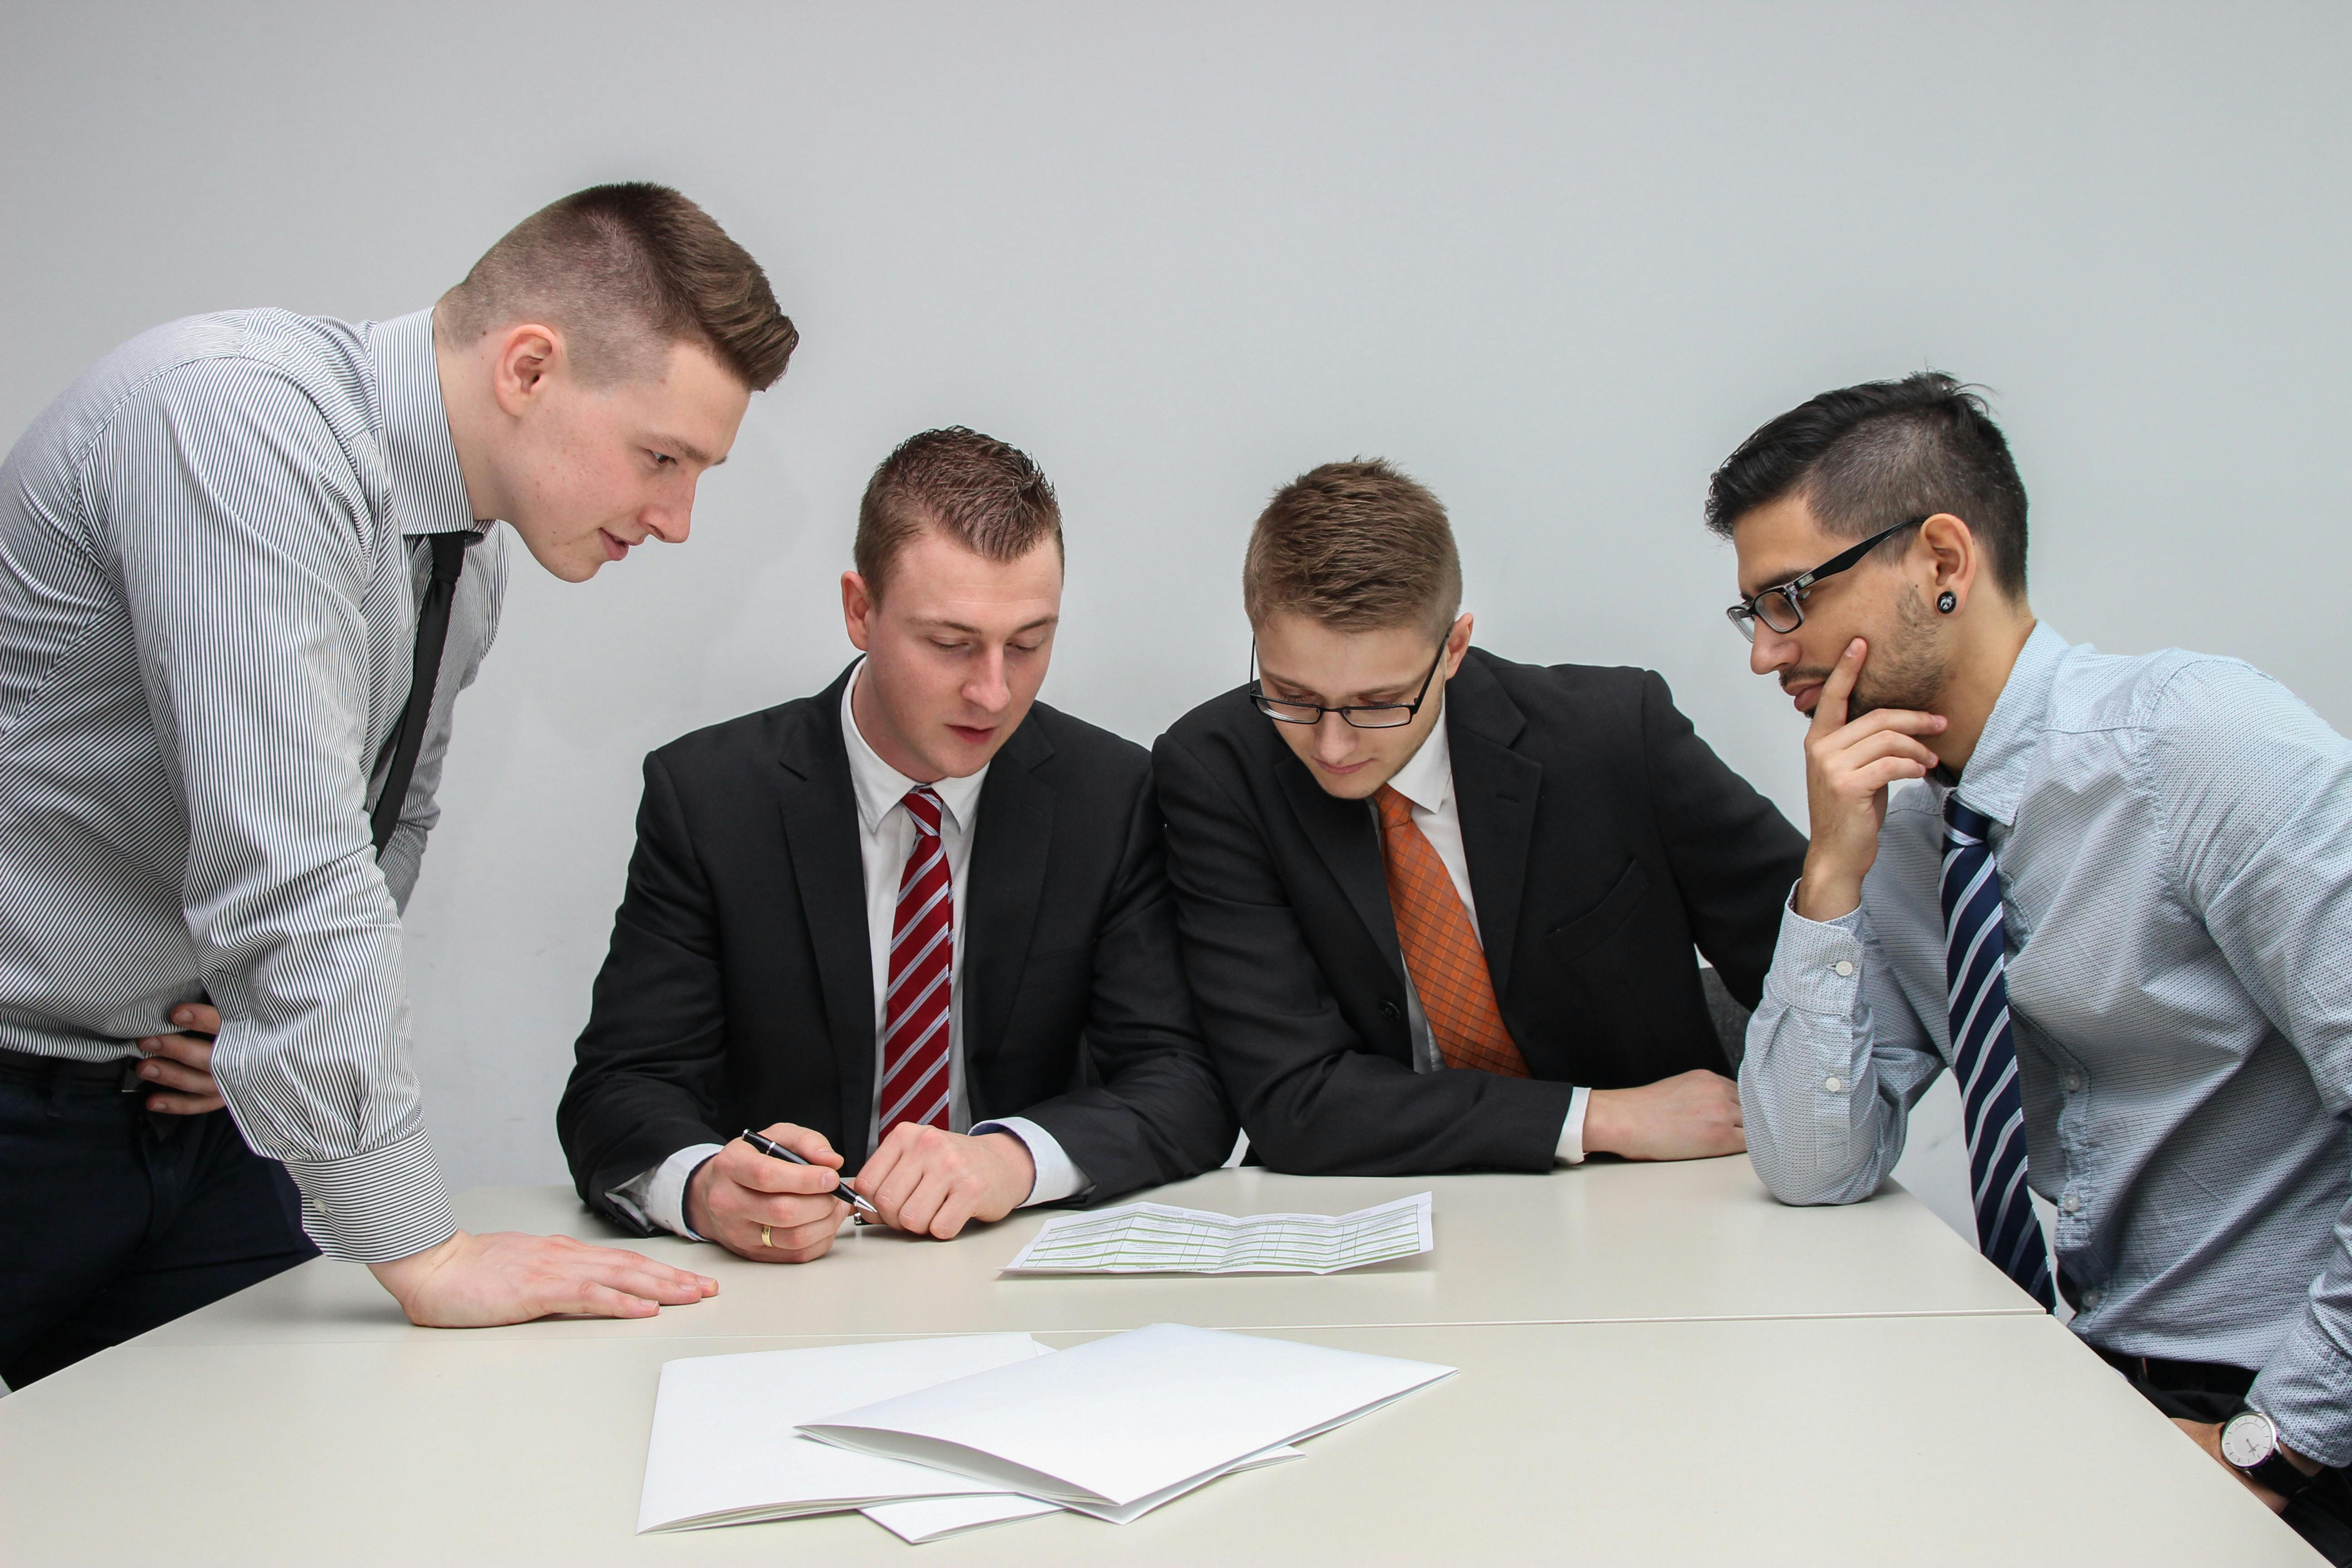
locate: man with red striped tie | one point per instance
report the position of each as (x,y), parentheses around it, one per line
(917,927)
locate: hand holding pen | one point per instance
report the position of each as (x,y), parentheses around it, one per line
(772,1198)
(774,1151)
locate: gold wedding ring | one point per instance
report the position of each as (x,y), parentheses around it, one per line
(765,1240)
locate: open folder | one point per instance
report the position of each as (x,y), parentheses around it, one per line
(723,1449)
(1120,1426)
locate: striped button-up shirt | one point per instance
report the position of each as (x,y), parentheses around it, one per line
(2174,839)
(211,556)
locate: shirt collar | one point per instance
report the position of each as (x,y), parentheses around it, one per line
(428,489)
(881,786)
(1427,777)
(1994,781)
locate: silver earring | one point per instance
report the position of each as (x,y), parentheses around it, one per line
(1948,601)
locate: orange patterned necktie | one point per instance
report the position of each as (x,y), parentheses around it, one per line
(1441,948)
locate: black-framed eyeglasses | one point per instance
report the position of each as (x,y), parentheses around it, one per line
(1364,716)
(1783,606)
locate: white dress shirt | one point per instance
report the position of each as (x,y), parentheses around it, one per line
(1426,781)
(215,542)
(886,833)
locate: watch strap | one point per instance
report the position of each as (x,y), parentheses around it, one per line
(2279,1474)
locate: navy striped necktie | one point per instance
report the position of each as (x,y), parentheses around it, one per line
(1976,957)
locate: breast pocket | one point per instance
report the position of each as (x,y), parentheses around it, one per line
(1573,940)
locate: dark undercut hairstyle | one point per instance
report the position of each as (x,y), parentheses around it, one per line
(1866,457)
(1356,546)
(623,272)
(986,496)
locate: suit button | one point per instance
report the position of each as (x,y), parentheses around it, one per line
(1390,1011)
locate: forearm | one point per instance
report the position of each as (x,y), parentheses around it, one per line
(2305,1388)
(1825,1119)
(1354,1114)
(653,1200)
(616,1124)
(1151,1126)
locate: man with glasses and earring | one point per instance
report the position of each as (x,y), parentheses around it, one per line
(2113,895)
(1439,909)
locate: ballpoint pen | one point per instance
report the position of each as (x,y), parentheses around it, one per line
(775,1150)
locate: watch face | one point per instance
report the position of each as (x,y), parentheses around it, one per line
(2248,1439)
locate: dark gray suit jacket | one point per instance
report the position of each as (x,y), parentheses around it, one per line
(738,989)
(1604,840)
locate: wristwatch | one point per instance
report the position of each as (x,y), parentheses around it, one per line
(2251,1444)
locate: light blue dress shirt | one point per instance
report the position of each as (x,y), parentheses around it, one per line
(2174,837)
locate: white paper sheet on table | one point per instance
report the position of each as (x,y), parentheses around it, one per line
(930,1519)
(724,1450)
(1118,1425)
(920,1520)
(1153,1239)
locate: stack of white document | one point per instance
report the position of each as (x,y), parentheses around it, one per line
(724,1450)
(1118,1427)
(1153,1239)
(985,1428)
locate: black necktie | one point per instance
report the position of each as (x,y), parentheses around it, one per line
(432,633)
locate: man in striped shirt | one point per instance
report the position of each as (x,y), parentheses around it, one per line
(225,556)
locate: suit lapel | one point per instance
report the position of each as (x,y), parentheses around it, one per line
(820,814)
(1496,792)
(1343,835)
(1010,841)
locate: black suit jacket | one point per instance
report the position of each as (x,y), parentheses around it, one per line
(1604,839)
(738,989)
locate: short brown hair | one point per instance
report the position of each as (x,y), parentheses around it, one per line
(986,496)
(624,271)
(1356,546)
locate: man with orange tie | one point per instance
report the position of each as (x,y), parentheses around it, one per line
(1438,908)
(917,927)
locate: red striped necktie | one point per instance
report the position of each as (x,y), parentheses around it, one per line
(922,977)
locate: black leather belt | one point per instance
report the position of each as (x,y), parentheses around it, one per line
(2180,1376)
(120,1074)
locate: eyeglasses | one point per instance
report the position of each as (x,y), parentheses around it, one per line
(1785,602)
(1367,716)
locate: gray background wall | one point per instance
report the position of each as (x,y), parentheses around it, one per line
(1555,259)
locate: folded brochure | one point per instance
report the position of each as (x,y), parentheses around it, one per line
(1118,1425)
(1153,1239)
(723,1448)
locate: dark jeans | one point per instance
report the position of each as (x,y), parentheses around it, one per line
(114,1221)
(2204,1391)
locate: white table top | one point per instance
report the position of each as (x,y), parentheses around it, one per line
(1604,1242)
(1969,1439)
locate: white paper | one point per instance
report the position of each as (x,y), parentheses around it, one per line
(724,1450)
(1133,1418)
(1153,1239)
(928,1518)
(1127,1513)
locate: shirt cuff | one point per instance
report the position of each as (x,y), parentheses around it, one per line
(1817,964)
(2305,1388)
(390,1203)
(657,1197)
(1058,1176)
(1571,1132)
